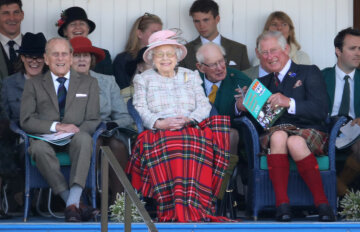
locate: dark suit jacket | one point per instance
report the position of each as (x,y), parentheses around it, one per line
(225,101)
(310,97)
(329,76)
(235,52)
(39,104)
(3,63)
(11,92)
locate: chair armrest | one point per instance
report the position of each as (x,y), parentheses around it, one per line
(332,139)
(135,116)
(251,137)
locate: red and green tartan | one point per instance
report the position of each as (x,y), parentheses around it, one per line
(183,169)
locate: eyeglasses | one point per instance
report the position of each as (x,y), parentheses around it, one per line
(162,54)
(220,63)
(36,58)
(272,51)
(277,25)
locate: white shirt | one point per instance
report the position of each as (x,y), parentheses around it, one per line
(56,85)
(209,84)
(217,40)
(4,42)
(339,88)
(282,74)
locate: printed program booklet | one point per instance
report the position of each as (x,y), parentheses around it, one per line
(348,136)
(55,138)
(255,102)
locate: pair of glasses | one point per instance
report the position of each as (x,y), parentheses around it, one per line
(162,54)
(277,25)
(220,63)
(272,51)
(36,58)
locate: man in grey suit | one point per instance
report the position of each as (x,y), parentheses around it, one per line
(205,14)
(61,101)
(11,16)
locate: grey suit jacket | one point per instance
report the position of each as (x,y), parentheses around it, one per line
(235,52)
(252,72)
(3,67)
(11,91)
(39,104)
(112,105)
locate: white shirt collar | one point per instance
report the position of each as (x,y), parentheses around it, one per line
(217,40)
(208,85)
(4,39)
(283,71)
(341,74)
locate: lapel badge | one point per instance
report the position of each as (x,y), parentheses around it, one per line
(291,74)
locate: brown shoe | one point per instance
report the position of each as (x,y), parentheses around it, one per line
(72,214)
(88,212)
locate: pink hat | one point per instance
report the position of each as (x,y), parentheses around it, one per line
(164,37)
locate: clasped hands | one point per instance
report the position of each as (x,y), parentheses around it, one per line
(276,100)
(171,123)
(66,128)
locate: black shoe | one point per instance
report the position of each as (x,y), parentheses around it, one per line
(326,213)
(283,213)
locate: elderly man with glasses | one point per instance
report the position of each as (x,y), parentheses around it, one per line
(220,82)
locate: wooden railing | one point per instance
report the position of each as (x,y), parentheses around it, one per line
(130,196)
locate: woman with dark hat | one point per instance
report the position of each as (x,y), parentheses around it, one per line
(31,63)
(74,22)
(113,110)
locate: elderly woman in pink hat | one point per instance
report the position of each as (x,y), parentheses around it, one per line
(180,160)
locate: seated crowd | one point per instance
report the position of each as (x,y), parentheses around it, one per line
(187,96)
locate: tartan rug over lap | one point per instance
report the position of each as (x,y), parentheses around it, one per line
(183,169)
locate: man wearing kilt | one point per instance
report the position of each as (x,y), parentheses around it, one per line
(300,132)
(181,159)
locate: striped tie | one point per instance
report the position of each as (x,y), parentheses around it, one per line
(61,94)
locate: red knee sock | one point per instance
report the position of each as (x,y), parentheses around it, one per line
(278,165)
(309,171)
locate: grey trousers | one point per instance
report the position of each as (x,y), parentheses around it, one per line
(79,149)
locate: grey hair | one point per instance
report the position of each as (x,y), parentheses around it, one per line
(199,54)
(47,46)
(271,34)
(178,53)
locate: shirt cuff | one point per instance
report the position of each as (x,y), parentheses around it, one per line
(237,112)
(53,127)
(292,108)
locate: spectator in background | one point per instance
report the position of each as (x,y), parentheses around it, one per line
(11,16)
(74,22)
(130,62)
(280,21)
(205,15)
(113,111)
(343,88)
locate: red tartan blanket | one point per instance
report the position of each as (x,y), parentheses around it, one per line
(183,169)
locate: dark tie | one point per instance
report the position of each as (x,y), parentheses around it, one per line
(276,79)
(61,94)
(345,101)
(12,54)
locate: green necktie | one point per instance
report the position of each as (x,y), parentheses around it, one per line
(345,101)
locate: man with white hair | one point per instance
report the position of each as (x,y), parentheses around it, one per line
(301,131)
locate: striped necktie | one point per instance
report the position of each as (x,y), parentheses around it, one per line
(61,94)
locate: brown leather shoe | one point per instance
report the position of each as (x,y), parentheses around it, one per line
(88,212)
(72,214)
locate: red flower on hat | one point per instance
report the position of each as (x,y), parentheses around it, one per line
(62,19)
